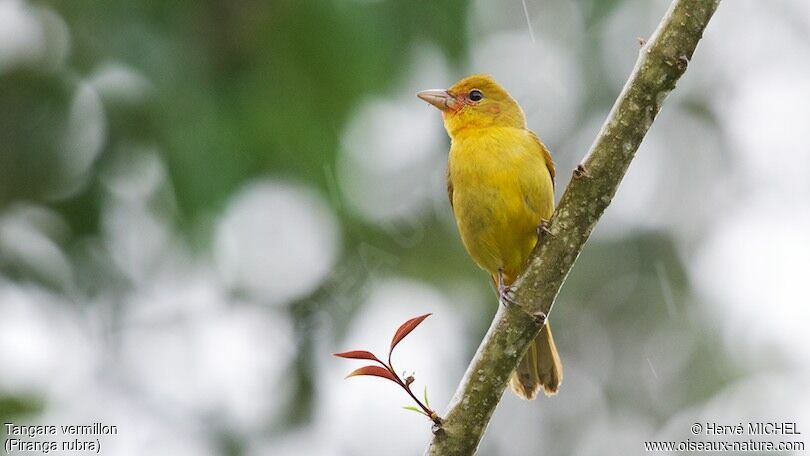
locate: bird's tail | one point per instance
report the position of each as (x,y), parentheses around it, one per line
(540,366)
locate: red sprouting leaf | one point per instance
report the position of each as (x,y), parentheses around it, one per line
(357,354)
(406,329)
(375,371)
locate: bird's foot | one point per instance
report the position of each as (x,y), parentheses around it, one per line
(506,295)
(542,229)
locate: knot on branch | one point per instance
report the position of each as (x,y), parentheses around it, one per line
(581,171)
(540,318)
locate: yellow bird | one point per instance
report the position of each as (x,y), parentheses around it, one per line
(500,180)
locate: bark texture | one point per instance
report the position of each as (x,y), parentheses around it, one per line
(662,61)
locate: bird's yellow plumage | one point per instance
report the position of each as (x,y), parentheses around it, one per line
(500,181)
(501,191)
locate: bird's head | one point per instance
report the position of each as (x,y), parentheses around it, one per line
(474,102)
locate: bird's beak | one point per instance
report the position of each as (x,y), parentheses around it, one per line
(440,99)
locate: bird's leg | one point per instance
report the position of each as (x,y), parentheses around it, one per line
(504,291)
(542,229)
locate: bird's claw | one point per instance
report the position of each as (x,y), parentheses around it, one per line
(542,229)
(506,295)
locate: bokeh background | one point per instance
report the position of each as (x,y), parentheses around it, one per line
(200,201)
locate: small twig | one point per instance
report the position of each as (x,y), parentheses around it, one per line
(387,371)
(407,387)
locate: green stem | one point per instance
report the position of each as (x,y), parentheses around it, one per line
(428,412)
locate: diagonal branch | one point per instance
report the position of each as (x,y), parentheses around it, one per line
(661,63)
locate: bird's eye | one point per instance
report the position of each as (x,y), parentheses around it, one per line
(475,95)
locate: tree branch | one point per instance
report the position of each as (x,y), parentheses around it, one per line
(661,63)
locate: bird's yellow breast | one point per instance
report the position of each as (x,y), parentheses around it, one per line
(501,189)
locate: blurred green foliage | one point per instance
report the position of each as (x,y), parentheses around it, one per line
(14,407)
(248,86)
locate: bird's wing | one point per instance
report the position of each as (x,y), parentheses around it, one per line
(537,186)
(449,187)
(546,155)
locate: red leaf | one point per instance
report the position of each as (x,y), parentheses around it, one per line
(406,329)
(375,371)
(357,354)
